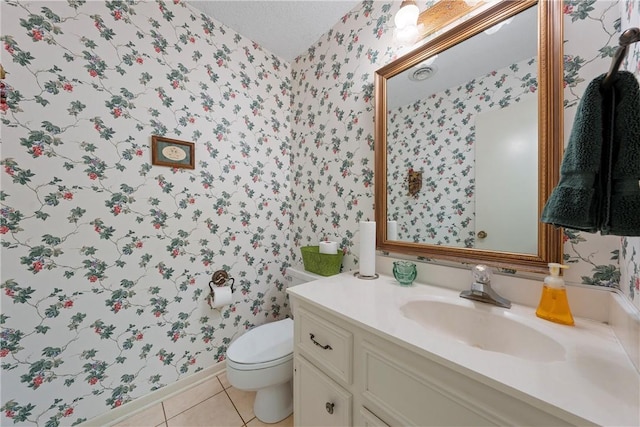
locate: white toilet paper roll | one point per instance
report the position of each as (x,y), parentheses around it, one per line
(392,230)
(328,247)
(221,296)
(367,255)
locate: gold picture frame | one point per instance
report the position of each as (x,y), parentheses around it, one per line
(172,152)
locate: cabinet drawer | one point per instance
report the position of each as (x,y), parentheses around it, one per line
(329,346)
(318,400)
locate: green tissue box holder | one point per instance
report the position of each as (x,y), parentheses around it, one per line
(322,264)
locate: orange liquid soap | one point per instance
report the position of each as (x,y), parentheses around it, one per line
(554,305)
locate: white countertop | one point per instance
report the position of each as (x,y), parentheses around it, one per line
(595,382)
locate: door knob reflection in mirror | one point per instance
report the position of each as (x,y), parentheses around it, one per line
(482,234)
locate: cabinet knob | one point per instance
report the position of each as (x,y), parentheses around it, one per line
(482,235)
(329,407)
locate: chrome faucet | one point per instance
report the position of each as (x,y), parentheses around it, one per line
(481,288)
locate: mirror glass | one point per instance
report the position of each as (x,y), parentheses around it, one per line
(463,123)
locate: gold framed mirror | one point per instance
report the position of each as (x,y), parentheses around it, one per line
(455,126)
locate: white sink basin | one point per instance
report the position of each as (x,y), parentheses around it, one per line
(484,327)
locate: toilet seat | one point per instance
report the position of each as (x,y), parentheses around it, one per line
(262,347)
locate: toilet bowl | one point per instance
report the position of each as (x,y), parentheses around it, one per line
(261,360)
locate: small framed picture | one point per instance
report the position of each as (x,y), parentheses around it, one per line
(172,152)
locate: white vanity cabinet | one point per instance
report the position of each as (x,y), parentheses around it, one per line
(345,375)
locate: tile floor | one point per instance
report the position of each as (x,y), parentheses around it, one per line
(214,403)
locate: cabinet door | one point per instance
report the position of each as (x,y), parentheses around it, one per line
(318,400)
(370,420)
(410,398)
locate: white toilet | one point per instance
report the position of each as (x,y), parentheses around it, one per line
(261,360)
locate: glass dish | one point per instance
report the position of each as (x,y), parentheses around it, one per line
(405,272)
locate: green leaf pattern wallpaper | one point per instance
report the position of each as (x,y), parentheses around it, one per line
(428,139)
(106,258)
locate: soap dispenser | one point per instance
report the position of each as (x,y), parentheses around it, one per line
(554,305)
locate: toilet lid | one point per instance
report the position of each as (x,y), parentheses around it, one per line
(264,343)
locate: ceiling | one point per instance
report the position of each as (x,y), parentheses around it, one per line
(471,59)
(283,27)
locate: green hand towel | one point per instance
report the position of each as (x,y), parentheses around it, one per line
(582,200)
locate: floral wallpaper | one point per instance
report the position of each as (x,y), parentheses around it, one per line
(442,148)
(592,29)
(332,127)
(332,130)
(630,246)
(106,258)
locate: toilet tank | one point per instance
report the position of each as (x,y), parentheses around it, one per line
(298,275)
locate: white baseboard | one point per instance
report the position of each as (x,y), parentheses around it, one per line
(123,412)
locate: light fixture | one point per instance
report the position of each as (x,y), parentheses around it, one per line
(407,15)
(406,20)
(422,72)
(497,27)
(408,35)
(429,61)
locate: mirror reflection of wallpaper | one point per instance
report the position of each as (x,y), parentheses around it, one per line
(425,136)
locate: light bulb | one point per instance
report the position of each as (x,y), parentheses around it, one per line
(407,35)
(427,62)
(407,15)
(497,27)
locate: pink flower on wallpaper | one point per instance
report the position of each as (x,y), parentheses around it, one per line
(36,35)
(37,381)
